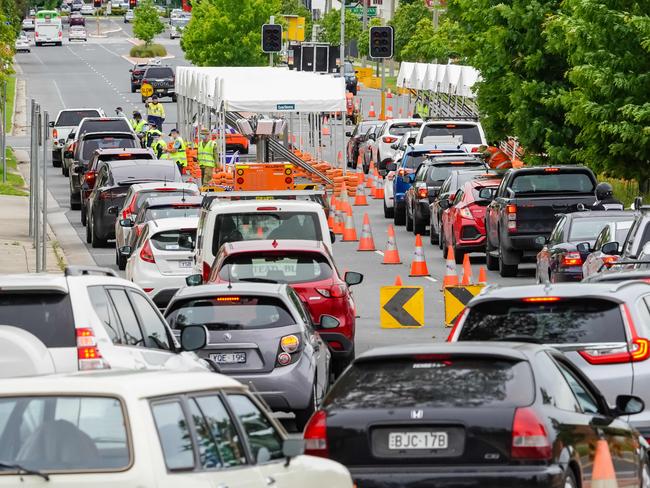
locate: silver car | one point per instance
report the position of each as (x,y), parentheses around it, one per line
(260,334)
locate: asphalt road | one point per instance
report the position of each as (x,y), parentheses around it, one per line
(95,74)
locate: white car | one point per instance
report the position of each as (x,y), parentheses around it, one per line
(28,24)
(84,319)
(128,16)
(23,45)
(613,232)
(391,170)
(468,132)
(162,257)
(77,33)
(149,429)
(87,9)
(389,134)
(66,121)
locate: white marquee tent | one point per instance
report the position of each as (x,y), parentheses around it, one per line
(438,78)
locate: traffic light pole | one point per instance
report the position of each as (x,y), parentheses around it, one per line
(382,113)
(272,21)
(342,149)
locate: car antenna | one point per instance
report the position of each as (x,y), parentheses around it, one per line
(229,281)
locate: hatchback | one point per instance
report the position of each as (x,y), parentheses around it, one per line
(389,134)
(473,415)
(597,259)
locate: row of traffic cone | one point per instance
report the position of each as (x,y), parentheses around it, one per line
(451,276)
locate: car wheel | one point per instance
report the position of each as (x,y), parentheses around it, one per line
(174,98)
(75,205)
(120,260)
(443,245)
(56,163)
(399,217)
(434,238)
(569,480)
(388,212)
(419,227)
(506,270)
(459,254)
(409,220)
(65,170)
(89,224)
(134,88)
(96,241)
(302,415)
(83,215)
(645,475)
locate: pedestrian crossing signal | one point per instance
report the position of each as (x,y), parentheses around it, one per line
(381,42)
(271,38)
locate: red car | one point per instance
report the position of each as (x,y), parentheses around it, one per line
(464,218)
(309,268)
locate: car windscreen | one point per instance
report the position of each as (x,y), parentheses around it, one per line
(401,128)
(276,267)
(431,381)
(73,117)
(90,145)
(107,125)
(469,132)
(553,182)
(45,314)
(159,73)
(413,160)
(158,213)
(230,313)
(174,240)
(68,433)
(144,195)
(232,227)
(439,173)
(549,320)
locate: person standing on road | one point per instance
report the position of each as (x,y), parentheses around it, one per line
(137,124)
(177,152)
(159,146)
(208,155)
(156,112)
(605,198)
(150,135)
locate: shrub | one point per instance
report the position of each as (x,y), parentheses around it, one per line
(624,190)
(150,51)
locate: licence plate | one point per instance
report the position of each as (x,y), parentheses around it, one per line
(185,264)
(160,90)
(229,357)
(417,440)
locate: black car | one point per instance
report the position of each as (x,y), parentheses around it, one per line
(570,243)
(85,147)
(350,78)
(368,146)
(356,138)
(426,183)
(136,75)
(111,186)
(473,414)
(163,81)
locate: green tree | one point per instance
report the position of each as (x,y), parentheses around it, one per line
(331,25)
(608,47)
(146,21)
(364,37)
(429,43)
(407,16)
(227,32)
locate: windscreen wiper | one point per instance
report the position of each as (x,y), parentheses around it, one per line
(258,280)
(23,470)
(517,338)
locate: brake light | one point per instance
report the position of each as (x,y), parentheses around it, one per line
(423,192)
(572,259)
(551,170)
(124,155)
(335,345)
(60,34)
(166,188)
(334,291)
(315,435)
(456,163)
(36,34)
(138,230)
(144,82)
(540,299)
(401,172)
(459,320)
(511,211)
(635,350)
(88,355)
(146,254)
(55,134)
(475,149)
(207,269)
(609,260)
(529,437)
(129,209)
(266,209)
(290,343)
(89,178)
(389,139)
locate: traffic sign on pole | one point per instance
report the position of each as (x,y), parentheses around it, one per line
(401,307)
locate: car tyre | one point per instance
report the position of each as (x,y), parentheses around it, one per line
(419,227)
(75,205)
(506,270)
(399,217)
(65,170)
(174,98)
(83,215)
(134,88)
(302,415)
(408,220)
(491,262)
(89,223)
(569,480)
(434,238)
(96,241)
(388,212)
(120,260)
(645,475)
(56,163)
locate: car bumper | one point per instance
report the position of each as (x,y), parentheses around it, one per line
(568,276)
(524,243)
(333,339)
(465,476)
(422,211)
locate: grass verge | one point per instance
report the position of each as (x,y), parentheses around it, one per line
(150,51)
(625,190)
(11,92)
(15,184)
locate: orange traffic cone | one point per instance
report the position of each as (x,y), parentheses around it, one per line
(482,276)
(260,232)
(398,281)
(400,112)
(370,182)
(349,231)
(419,264)
(389,112)
(330,218)
(326,127)
(603,474)
(366,243)
(389,94)
(361,176)
(391,255)
(467,271)
(338,222)
(451,277)
(371,112)
(360,198)
(379,188)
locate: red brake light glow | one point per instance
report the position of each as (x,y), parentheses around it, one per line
(455,163)
(423,192)
(227,299)
(316,435)
(124,155)
(88,355)
(529,437)
(551,170)
(572,259)
(146,254)
(389,139)
(540,299)
(266,209)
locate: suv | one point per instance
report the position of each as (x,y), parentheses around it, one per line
(65,122)
(87,144)
(470,132)
(136,75)
(602,327)
(87,318)
(389,134)
(163,81)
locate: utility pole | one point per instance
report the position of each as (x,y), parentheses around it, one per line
(365,25)
(272,21)
(4,132)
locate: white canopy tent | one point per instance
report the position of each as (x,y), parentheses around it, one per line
(439,78)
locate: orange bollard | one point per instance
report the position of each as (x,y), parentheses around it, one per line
(391,255)
(366,243)
(419,264)
(349,231)
(603,474)
(360,198)
(451,277)
(467,271)
(398,281)
(482,276)
(338,223)
(371,112)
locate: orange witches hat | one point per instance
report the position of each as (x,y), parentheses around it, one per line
(419,264)
(366,243)
(467,271)
(451,277)
(349,231)
(360,198)
(391,255)
(603,474)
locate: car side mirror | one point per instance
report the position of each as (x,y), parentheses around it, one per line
(293,446)
(194,337)
(194,280)
(610,248)
(352,278)
(71,135)
(332,237)
(541,240)
(409,178)
(444,203)
(112,210)
(486,194)
(126,250)
(329,322)
(372,137)
(584,247)
(410,141)
(126,222)
(391,166)
(348,133)
(628,405)
(51,124)
(67,154)
(78,170)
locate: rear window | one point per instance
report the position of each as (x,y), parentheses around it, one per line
(234,227)
(401,128)
(565,321)
(45,314)
(142,196)
(281,267)
(439,173)
(159,73)
(231,313)
(567,182)
(90,145)
(73,117)
(469,132)
(413,160)
(174,240)
(585,229)
(435,381)
(109,125)
(160,172)
(171,212)
(125,156)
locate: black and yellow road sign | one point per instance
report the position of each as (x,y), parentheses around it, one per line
(146,90)
(456,297)
(401,307)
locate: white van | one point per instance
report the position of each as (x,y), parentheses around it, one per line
(48,28)
(227,221)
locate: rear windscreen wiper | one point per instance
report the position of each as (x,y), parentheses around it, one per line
(517,338)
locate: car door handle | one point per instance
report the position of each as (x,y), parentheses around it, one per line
(270,481)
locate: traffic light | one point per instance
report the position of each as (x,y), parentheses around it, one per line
(271,38)
(381,42)
(98,3)
(132,3)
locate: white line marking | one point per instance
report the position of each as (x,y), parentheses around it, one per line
(381,253)
(58,92)
(431,278)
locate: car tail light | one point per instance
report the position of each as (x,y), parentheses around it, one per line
(138,230)
(290,343)
(401,171)
(609,260)
(146,254)
(148,290)
(511,211)
(334,291)
(551,170)
(635,350)
(55,134)
(36,34)
(529,437)
(335,345)
(540,299)
(315,435)
(475,149)
(144,82)
(466,213)
(572,259)
(129,209)
(389,139)
(207,269)
(166,188)
(60,34)
(89,178)
(88,355)
(423,192)
(460,318)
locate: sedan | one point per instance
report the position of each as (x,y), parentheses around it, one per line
(87,9)
(77,33)
(77,19)
(473,415)
(563,254)
(356,138)
(23,45)
(129,16)
(259,333)
(28,24)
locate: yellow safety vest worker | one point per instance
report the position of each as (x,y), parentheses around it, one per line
(157,110)
(159,147)
(138,125)
(206,154)
(179,156)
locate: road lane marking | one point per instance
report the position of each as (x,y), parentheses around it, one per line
(381,253)
(58,92)
(431,278)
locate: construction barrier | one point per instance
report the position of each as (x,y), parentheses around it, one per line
(402,307)
(456,298)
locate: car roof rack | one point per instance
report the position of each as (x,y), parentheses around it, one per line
(89,270)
